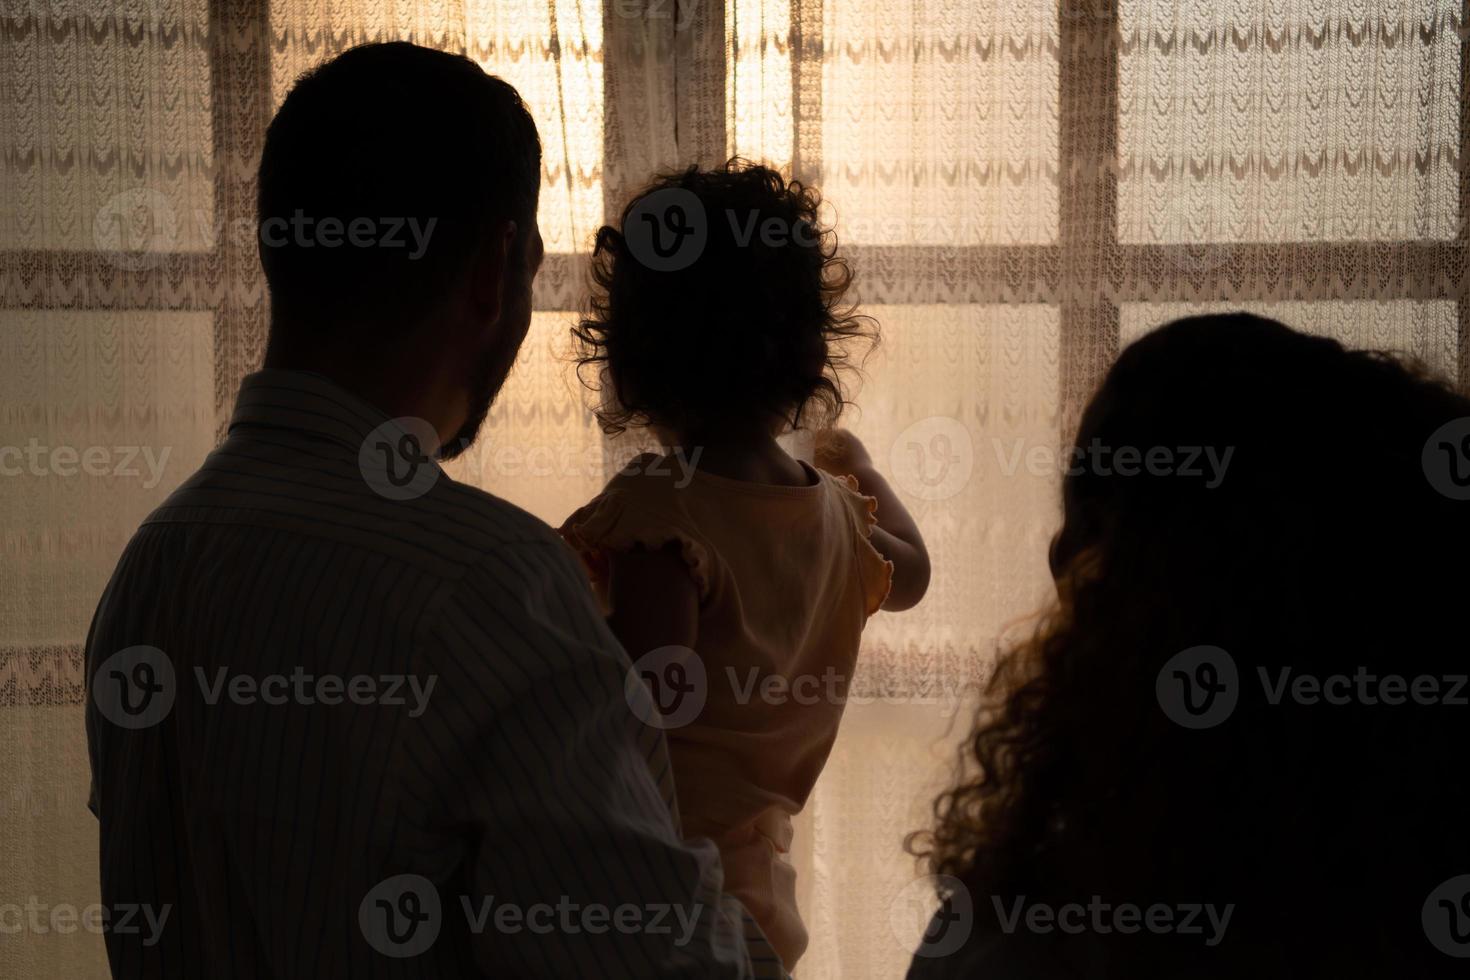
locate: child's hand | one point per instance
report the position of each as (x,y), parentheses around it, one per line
(839,452)
(896,537)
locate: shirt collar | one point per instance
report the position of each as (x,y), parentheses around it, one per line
(305,402)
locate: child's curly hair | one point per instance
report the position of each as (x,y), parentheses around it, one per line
(752,325)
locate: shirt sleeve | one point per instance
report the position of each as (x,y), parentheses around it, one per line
(874,571)
(618,521)
(531,754)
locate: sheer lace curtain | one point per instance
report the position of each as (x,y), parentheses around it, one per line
(1021,187)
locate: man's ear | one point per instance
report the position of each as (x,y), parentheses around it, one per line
(490,270)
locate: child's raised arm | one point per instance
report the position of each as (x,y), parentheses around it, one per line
(896,537)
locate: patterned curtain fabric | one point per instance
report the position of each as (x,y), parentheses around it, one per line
(1021,187)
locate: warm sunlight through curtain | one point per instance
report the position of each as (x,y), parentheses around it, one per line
(1021,188)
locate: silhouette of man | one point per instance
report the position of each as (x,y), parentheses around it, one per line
(349,717)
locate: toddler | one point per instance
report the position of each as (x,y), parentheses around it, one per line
(716,324)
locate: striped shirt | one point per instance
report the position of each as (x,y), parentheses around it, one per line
(343,727)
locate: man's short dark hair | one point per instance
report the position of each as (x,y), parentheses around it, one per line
(382,173)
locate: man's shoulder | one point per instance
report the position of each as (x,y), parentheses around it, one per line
(517,551)
(494,539)
(453,505)
(443,528)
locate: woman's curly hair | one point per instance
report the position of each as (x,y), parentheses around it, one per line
(1322,548)
(719,300)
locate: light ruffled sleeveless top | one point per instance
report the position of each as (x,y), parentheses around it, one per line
(787,578)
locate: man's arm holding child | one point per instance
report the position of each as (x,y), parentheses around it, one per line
(534,758)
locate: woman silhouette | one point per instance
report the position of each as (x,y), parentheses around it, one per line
(1236,745)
